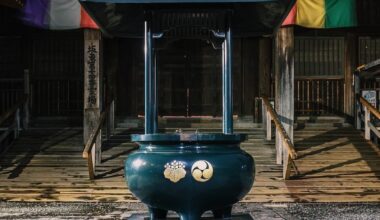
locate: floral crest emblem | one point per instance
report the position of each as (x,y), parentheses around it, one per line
(175,171)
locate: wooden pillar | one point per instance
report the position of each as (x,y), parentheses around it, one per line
(92,88)
(284,79)
(350,50)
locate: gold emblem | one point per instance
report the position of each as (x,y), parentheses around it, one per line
(175,171)
(202,171)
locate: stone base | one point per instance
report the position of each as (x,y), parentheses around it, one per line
(234,217)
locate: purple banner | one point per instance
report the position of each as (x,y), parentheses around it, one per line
(34,13)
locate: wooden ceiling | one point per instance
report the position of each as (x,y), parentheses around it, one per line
(12,3)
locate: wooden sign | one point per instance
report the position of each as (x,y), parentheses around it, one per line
(91,74)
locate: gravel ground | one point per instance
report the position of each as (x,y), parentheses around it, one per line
(137,211)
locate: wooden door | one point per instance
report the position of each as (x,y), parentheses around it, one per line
(205,87)
(173,79)
(189,79)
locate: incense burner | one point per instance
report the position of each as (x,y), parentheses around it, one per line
(189,173)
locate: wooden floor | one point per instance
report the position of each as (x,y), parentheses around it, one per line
(335,164)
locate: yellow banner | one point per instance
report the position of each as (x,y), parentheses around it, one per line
(311,13)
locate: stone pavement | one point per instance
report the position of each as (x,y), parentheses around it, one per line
(277,211)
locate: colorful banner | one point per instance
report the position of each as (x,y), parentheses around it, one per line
(56,15)
(323,14)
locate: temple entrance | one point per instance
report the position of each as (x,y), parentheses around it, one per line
(189,78)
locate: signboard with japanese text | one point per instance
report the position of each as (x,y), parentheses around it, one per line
(370,96)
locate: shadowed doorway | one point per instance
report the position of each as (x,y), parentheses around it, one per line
(189,78)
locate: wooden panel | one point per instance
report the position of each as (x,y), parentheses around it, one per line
(205,84)
(174,78)
(130,79)
(57,73)
(57,97)
(368,12)
(9,22)
(11,72)
(10,57)
(255,76)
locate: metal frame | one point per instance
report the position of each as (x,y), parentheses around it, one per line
(150,65)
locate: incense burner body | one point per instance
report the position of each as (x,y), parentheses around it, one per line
(189,173)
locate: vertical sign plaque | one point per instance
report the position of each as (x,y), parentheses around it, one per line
(92,89)
(91,74)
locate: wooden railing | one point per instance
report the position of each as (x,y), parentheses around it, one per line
(318,96)
(15,125)
(94,141)
(290,154)
(57,97)
(369,111)
(11,91)
(315,96)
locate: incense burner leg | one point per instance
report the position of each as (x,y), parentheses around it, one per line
(156,214)
(224,213)
(191,215)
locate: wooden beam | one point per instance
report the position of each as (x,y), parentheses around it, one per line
(284,79)
(92,88)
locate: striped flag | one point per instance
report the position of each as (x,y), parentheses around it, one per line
(323,14)
(56,15)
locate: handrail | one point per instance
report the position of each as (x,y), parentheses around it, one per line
(12,110)
(284,136)
(91,141)
(15,126)
(370,107)
(288,159)
(368,125)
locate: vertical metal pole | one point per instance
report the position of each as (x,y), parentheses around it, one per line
(227,80)
(148,78)
(154,90)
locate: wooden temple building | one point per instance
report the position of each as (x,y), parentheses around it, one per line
(70,99)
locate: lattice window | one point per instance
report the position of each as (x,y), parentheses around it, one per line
(369,49)
(319,57)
